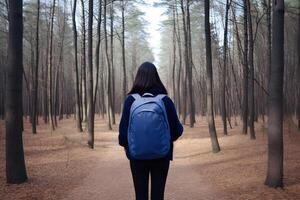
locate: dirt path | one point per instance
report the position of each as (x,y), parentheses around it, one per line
(111,179)
(237,172)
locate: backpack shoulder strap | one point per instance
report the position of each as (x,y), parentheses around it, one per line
(160,96)
(162,105)
(136,96)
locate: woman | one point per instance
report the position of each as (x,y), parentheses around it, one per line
(147,82)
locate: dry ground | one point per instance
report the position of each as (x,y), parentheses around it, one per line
(60,166)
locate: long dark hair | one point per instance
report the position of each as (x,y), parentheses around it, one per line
(147,79)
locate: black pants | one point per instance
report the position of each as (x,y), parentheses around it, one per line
(140,172)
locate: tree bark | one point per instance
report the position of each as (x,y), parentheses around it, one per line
(174,54)
(209,84)
(184,87)
(275,107)
(78,116)
(102,98)
(50,65)
(245,71)
(97,51)
(45,78)
(59,65)
(180,61)
(2,89)
(190,66)
(112,62)
(15,162)
(298,72)
(224,74)
(269,41)
(108,109)
(83,64)
(90,84)
(123,51)
(36,73)
(251,74)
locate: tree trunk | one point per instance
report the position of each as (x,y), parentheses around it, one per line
(15,163)
(123,51)
(209,84)
(112,63)
(83,64)
(251,74)
(245,70)
(190,66)
(108,110)
(78,116)
(90,84)
(62,102)
(97,51)
(2,88)
(239,91)
(223,77)
(36,73)
(174,54)
(184,88)
(59,65)
(45,78)
(44,73)
(275,103)
(180,61)
(298,72)
(50,65)
(31,80)
(269,41)
(102,98)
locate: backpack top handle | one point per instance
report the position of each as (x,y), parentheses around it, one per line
(137,96)
(148,94)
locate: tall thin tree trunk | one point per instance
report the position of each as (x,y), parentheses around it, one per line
(269,41)
(102,98)
(50,65)
(32,75)
(59,66)
(275,103)
(224,74)
(180,61)
(245,71)
(90,84)
(45,78)
(298,72)
(61,104)
(15,162)
(44,73)
(174,54)
(112,63)
(78,116)
(2,88)
(83,64)
(36,72)
(185,60)
(190,66)
(123,51)
(209,84)
(97,51)
(251,74)
(108,110)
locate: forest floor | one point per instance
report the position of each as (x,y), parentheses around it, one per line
(60,166)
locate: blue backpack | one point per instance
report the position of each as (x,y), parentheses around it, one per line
(148,131)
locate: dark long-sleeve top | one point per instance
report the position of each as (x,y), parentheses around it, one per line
(176,128)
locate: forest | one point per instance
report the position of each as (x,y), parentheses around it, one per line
(231,67)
